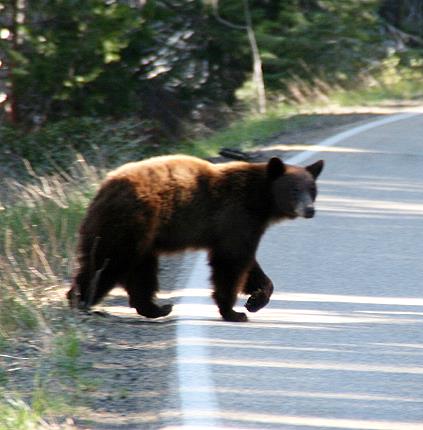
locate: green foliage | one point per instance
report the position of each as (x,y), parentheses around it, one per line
(333,41)
(94,54)
(74,57)
(170,61)
(405,15)
(65,49)
(15,414)
(52,148)
(67,353)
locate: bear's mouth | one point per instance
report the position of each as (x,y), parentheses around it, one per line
(305,211)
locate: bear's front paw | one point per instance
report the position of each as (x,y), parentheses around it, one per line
(259,299)
(234,316)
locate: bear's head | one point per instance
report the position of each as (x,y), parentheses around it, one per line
(293,188)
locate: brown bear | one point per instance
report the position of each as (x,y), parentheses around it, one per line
(171,203)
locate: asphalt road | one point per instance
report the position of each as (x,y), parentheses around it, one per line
(340,346)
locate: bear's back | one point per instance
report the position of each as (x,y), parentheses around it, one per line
(164,176)
(184,166)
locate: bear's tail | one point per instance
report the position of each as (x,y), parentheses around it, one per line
(92,281)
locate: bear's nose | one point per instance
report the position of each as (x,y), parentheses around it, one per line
(309,212)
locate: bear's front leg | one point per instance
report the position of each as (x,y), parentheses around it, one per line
(227,275)
(259,286)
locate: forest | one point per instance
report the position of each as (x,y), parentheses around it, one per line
(168,67)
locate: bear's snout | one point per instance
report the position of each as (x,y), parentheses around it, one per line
(305,206)
(305,211)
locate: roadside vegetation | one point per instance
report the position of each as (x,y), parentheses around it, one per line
(40,344)
(99,111)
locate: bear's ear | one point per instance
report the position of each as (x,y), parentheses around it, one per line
(275,168)
(315,168)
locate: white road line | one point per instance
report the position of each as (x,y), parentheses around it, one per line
(192,377)
(200,408)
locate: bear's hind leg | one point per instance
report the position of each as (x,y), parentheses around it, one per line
(142,284)
(259,286)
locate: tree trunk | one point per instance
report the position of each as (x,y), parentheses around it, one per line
(257,65)
(258,79)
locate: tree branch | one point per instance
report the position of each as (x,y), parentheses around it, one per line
(215,4)
(402,35)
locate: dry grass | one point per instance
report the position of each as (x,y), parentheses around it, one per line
(38,225)
(38,228)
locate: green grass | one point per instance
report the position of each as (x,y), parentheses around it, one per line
(15,314)
(60,382)
(67,354)
(380,95)
(58,387)
(245,133)
(15,414)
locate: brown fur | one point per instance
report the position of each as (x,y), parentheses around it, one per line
(171,203)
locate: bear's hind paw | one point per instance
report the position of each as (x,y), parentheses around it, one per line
(154,311)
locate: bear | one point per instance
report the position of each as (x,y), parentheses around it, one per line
(172,203)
